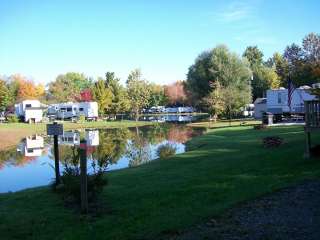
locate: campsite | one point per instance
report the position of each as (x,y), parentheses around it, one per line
(175,120)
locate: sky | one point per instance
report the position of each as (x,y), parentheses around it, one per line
(44,38)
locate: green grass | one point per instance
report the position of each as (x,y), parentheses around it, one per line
(223,168)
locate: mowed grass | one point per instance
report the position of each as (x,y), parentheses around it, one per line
(12,133)
(224,167)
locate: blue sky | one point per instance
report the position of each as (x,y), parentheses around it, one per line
(42,39)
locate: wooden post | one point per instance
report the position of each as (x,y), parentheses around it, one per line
(83,176)
(56,158)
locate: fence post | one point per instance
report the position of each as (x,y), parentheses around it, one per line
(83,177)
(56,158)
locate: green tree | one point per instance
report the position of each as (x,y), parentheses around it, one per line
(157,95)
(103,95)
(218,64)
(4,96)
(67,87)
(138,92)
(214,102)
(254,55)
(120,102)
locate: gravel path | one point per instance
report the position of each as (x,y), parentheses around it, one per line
(292,213)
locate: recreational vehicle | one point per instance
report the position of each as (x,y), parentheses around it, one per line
(277,101)
(29,111)
(72,110)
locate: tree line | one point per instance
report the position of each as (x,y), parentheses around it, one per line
(219,81)
(223,82)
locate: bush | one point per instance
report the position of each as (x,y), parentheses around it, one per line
(166,150)
(82,118)
(12,118)
(71,184)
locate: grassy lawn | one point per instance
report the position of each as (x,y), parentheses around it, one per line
(223,167)
(12,133)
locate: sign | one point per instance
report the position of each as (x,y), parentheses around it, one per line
(54,129)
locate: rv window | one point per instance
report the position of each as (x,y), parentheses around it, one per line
(62,109)
(81,109)
(279,97)
(28,105)
(30,150)
(69,109)
(74,109)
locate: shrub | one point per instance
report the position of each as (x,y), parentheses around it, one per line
(82,118)
(166,150)
(71,184)
(12,118)
(272,141)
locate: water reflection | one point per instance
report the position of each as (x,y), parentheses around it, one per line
(30,163)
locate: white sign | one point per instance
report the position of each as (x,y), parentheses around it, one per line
(54,129)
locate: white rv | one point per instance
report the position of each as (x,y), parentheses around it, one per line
(74,110)
(277,100)
(29,111)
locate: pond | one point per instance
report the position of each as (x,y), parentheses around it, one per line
(31,162)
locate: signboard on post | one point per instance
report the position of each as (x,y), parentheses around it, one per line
(55,129)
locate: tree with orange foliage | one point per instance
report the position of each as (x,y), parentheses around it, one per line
(176,93)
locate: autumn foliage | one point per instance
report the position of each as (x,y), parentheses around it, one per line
(176,93)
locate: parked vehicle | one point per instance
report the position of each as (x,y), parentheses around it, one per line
(277,101)
(29,111)
(72,110)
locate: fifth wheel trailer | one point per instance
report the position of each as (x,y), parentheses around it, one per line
(74,110)
(277,101)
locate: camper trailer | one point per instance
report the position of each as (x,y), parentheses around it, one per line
(72,110)
(277,101)
(29,111)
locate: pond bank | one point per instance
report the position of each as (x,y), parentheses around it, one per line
(222,168)
(12,133)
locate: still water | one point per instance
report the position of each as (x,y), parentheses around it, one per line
(31,162)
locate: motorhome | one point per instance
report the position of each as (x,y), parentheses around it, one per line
(260,107)
(29,111)
(72,110)
(277,101)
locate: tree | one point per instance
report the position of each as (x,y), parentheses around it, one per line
(4,96)
(158,96)
(218,64)
(138,92)
(214,102)
(263,78)
(176,93)
(103,95)
(67,87)
(254,55)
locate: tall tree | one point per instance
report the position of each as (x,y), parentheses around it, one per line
(67,87)
(254,55)
(223,66)
(138,92)
(4,96)
(176,93)
(103,95)
(214,102)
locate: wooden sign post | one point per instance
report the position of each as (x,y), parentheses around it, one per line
(83,176)
(55,130)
